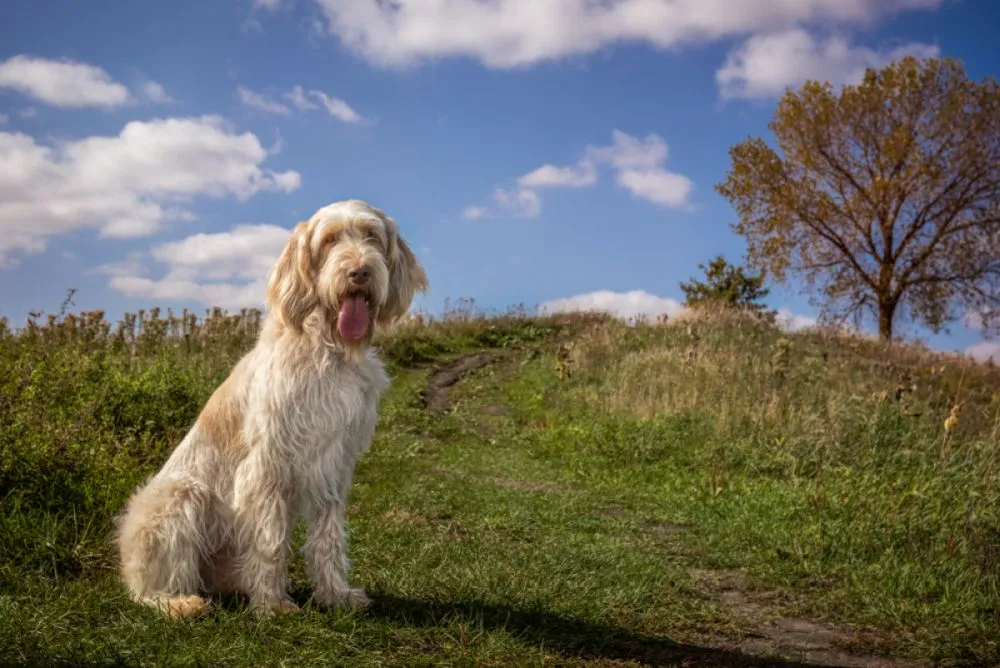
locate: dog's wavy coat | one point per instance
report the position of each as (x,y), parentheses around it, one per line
(281,436)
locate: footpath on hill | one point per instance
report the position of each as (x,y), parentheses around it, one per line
(761,632)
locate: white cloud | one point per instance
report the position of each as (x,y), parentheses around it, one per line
(337,108)
(623,305)
(639,303)
(628,152)
(639,169)
(793,322)
(298,98)
(638,165)
(226,269)
(517,33)
(977,319)
(521,203)
(72,84)
(475,212)
(985,351)
(62,83)
(258,101)
(269,5)
(225,295)
(154,92)
(126,185)
(766,65)
(657,185)
(28,113)
(250,24)
(550,176)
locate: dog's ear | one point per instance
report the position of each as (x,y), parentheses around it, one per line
(406,277)
(291,288)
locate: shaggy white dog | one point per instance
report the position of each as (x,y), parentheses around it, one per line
(281,436)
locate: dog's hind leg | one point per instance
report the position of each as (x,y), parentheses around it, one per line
(168,529)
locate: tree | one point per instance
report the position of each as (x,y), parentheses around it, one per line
(726,284)
(886,196)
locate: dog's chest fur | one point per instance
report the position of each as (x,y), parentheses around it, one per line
(330,418)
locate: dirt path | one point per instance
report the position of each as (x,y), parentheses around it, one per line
(802,642)
(811,642)
(435,395)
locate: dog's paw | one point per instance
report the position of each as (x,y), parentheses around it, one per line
(351,599)
(272,608)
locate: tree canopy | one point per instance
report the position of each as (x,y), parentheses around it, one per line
(884,196)
(726,284)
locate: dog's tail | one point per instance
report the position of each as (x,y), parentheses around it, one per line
(169,529)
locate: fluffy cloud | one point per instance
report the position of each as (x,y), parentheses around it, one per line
(301,101)
(269,5)
(550,176)
(226,269)
(635,304)
(793,322)
(657,186)
(624,305)
(766,65)
(261,103)
(637,163)
(155,92)
(522,203)
(70,84)
(474,212)
(985,351)
(517,33)
(126,185)
(337,108)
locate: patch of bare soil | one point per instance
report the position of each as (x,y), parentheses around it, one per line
(435,395)
(811,642)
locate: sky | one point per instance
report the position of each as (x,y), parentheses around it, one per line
(548,153)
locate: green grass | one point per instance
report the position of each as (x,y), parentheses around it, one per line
(592,516)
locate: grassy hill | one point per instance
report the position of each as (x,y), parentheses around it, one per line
(562,490)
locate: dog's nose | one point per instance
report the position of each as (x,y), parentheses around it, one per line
(359,275)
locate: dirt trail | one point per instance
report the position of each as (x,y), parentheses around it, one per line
(802,641)
(435,395)
(811,642)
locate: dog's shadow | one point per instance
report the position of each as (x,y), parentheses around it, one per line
(572,638)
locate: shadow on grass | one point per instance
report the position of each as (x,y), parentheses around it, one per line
(573,638)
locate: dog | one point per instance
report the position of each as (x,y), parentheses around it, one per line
(280,437)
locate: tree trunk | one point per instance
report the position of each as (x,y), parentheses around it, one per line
(886,317)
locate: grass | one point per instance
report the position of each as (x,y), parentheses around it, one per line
(599,494)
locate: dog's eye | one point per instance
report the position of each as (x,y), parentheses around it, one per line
(373,235)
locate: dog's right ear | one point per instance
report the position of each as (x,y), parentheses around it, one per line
(291,288)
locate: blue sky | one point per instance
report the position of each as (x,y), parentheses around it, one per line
(157,153)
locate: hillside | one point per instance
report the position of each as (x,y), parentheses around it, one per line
(559,490)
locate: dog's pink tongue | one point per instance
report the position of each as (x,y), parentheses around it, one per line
(352,323)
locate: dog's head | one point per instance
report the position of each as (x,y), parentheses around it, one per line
(348,262)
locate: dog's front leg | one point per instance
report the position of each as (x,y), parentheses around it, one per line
(326,556)
(262,492)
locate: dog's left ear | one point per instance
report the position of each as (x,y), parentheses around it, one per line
(406,277)
(291,288)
